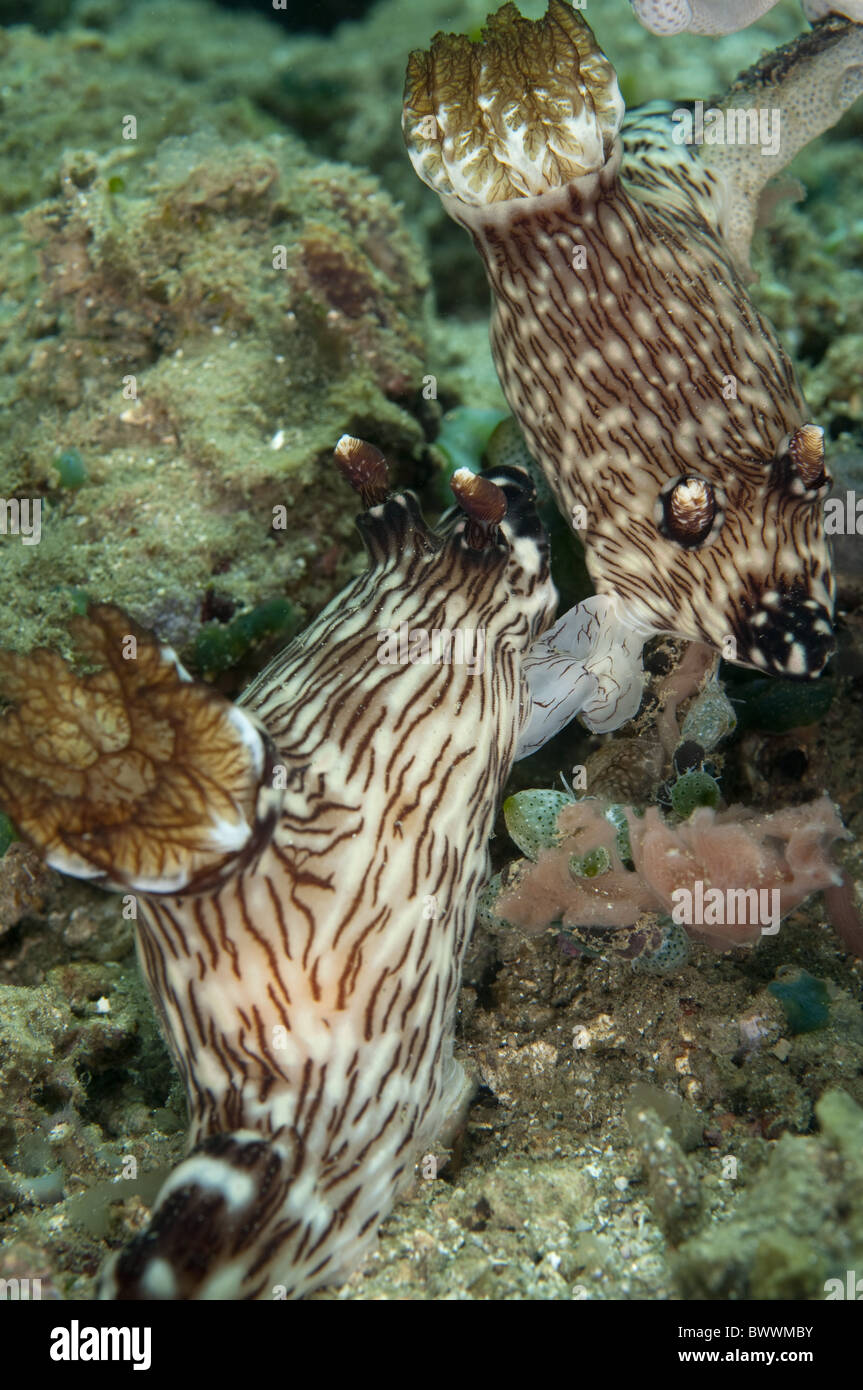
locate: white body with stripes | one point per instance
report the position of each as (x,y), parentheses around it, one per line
(310,999)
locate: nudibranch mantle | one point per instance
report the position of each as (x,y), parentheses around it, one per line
(659,404)
(330,833)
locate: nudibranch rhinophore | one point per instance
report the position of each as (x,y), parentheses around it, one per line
(307,863)
(657,401)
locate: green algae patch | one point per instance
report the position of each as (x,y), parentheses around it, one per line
(464,436)
(218,646)
(71,469)
(805,1001)
(778,706)
(8,833)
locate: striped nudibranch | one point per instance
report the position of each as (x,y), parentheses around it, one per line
(307,864)
(658,402)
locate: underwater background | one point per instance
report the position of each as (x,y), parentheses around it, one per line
(684,1123)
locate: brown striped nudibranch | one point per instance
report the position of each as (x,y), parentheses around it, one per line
(307,863)
(658,402)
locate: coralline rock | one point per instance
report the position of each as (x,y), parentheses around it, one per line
(24,885)
(798,1224)
(199,317)
(58,1044)
(672,1182)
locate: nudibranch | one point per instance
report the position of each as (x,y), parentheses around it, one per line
(306,864)
(662,410)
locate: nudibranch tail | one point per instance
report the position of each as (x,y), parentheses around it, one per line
(224,1197)
(660,406)
(308,987)
(134,775)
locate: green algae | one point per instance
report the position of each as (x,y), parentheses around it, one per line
(463,439)
(779,705)
(8,833)
(71,469)
(187,64)
(218,647)
(805,1001)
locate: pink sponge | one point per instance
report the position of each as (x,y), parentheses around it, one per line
(727,876)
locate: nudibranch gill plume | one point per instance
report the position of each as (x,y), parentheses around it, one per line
(659,404)
(307,863)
